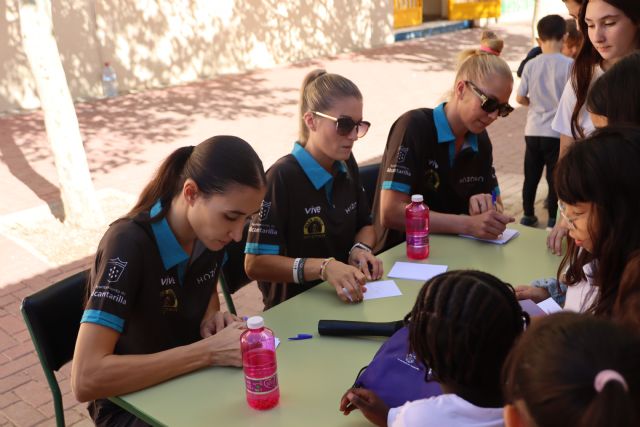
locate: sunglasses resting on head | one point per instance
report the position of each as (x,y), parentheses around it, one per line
(345,124)
(490,104)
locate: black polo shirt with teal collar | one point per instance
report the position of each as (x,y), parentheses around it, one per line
(420,158)
(307,213)
(147,288)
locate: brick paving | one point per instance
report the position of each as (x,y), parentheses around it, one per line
(126,137)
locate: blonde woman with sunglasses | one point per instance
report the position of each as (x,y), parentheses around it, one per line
(315,222)
(445,154)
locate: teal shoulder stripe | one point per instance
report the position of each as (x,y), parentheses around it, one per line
(261,249)
(396,186)
(103,318)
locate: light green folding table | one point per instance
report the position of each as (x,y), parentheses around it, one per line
(314,373)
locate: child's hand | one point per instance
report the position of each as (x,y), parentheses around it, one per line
(372,407)
(554,239)
(531,292)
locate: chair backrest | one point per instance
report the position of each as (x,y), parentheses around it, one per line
(53,318)
(368,178)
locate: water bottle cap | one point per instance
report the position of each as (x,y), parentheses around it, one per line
(417,198)
(255,322)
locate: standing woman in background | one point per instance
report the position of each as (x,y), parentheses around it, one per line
(611,30)
(153,312)
(315,221)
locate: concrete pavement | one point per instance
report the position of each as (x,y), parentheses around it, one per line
(126,138)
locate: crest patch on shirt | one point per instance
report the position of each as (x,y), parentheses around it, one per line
(264,210)
(115,267)
(314,227)
(402,154)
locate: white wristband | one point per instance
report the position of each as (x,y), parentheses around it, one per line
(296,263)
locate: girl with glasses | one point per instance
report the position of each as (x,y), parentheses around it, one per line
(152,311)
(445,154)
(611,30)
(315,224)
(598,183)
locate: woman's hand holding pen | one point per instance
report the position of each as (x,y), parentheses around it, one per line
(347,280)
(480,203)
(488,225)
(367,263)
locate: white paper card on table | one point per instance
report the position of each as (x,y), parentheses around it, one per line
(508,234)
(277,341)
(415,271)
(549,306)
(381,289)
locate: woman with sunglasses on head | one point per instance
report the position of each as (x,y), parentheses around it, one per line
(611,30)
(445,154)
(315,223)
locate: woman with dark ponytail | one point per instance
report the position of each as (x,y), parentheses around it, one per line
(152,311)
(573,370)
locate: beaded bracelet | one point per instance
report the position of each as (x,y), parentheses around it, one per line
(301,270)
(323,266)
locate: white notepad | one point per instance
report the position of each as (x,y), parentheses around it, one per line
(549,306)
(381,289)
(415,271)
(508,234)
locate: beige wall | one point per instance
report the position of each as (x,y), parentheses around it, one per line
(153,43)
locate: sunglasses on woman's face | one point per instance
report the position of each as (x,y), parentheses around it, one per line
(345,124)
(490,104)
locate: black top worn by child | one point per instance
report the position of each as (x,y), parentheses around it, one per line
(420,158)
(307,213)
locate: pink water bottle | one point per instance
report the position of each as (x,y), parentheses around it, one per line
(258,348)
(417,228)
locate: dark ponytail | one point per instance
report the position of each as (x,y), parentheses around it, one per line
(554,366)
(612,406)
(214,165)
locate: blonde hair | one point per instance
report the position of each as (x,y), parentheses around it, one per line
(478,65)
(320,90)
(490,44)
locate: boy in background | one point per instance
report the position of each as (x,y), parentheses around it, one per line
(543,80)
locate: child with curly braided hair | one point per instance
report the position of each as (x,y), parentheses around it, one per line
(461,328)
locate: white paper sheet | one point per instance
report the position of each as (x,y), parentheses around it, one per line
(381,289)
(508,234)
(549,306)
(415,271)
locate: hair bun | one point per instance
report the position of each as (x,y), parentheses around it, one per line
(491,43)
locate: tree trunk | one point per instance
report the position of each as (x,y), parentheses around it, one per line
(537,10)
(81,207)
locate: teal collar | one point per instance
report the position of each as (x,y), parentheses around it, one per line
(445,134)
(171,252)
(318,176)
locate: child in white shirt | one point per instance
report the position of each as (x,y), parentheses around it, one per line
(462,327)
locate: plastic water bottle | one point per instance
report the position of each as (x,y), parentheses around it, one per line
(259,363)
(417,228)
(109,81)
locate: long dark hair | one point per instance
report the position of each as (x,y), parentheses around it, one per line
(603,170)
(214,165)
(462,326)
(615,95)
(553,367)
(588,57)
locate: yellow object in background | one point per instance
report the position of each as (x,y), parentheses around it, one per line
(460,10)
(407,13)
